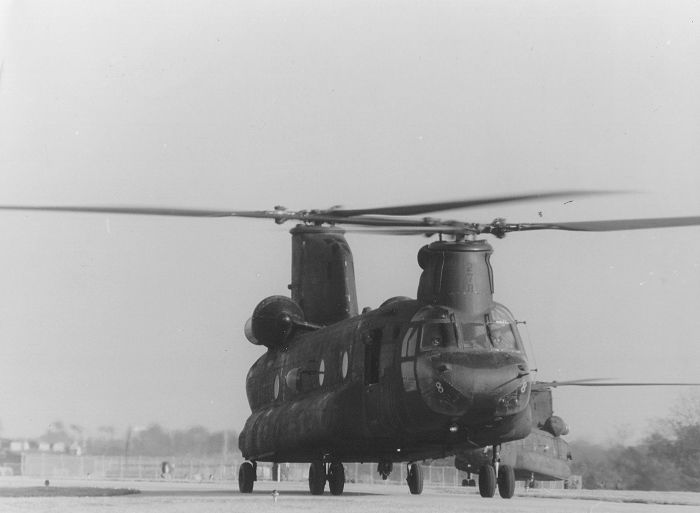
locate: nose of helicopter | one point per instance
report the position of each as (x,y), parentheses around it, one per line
(458,383)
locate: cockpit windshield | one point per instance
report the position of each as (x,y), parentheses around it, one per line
(498,332)
(438,334)
(502,329)
(502,336)
(495,331)
(474,336)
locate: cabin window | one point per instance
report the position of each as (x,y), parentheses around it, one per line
(321,373)
(436,335)
(276,387)
(344,365)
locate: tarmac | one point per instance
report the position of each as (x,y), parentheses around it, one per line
(294,497)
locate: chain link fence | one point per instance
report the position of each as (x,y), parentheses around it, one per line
(47,465)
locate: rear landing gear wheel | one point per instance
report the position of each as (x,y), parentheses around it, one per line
(506,481)
(414,478)
(336,478)
(317,478)
(246,477)
(487,481)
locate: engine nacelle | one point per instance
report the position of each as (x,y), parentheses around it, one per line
(556,426)
(273,321)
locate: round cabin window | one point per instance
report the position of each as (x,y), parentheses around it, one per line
(344,365)
(276,387)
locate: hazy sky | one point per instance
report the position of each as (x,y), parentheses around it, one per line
(111,320)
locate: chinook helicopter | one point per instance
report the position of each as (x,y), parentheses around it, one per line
(543,455)
(413,379)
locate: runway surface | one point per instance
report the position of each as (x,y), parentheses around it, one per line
(175,497)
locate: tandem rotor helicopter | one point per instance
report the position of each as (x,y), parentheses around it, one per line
(411,380)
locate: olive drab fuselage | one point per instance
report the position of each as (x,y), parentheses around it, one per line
(413,379)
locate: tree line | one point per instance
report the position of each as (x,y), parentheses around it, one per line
(154,440)
(667,459)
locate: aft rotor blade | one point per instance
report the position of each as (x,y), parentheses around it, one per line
(426,208)
(145,211)
(279,216)
(608,225)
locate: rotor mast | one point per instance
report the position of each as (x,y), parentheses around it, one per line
(458,275)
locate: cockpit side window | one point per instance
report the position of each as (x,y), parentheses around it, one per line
(437,335)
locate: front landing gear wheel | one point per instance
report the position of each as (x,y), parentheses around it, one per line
(246,477)
(506,481)
(487,481)
(336,478)
(317,478)
(414,478)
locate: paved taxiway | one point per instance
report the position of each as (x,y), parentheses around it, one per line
(173,497)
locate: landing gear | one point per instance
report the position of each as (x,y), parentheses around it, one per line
(317,478)
(336,478)
(414,478)
(487,481)
(246,477)
(506,481)
(384,468)
(488,477)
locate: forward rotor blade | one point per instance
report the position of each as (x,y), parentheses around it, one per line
(609,225)
(596,382)
(426,208)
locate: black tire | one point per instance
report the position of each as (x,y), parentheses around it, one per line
(317,478)
(414,478)
(336,478)
(246,477)
(487,481)
(506,481)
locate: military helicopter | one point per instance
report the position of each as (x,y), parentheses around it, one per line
(413,379)
(543,455)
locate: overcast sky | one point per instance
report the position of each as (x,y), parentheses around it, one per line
(111,320)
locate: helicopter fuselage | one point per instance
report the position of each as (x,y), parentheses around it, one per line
(404,382)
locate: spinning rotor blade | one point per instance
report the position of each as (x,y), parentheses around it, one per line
(392,225)
(278,215)
(595,382)
(500,228)
(608,225)
(426,208)
(146,211)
